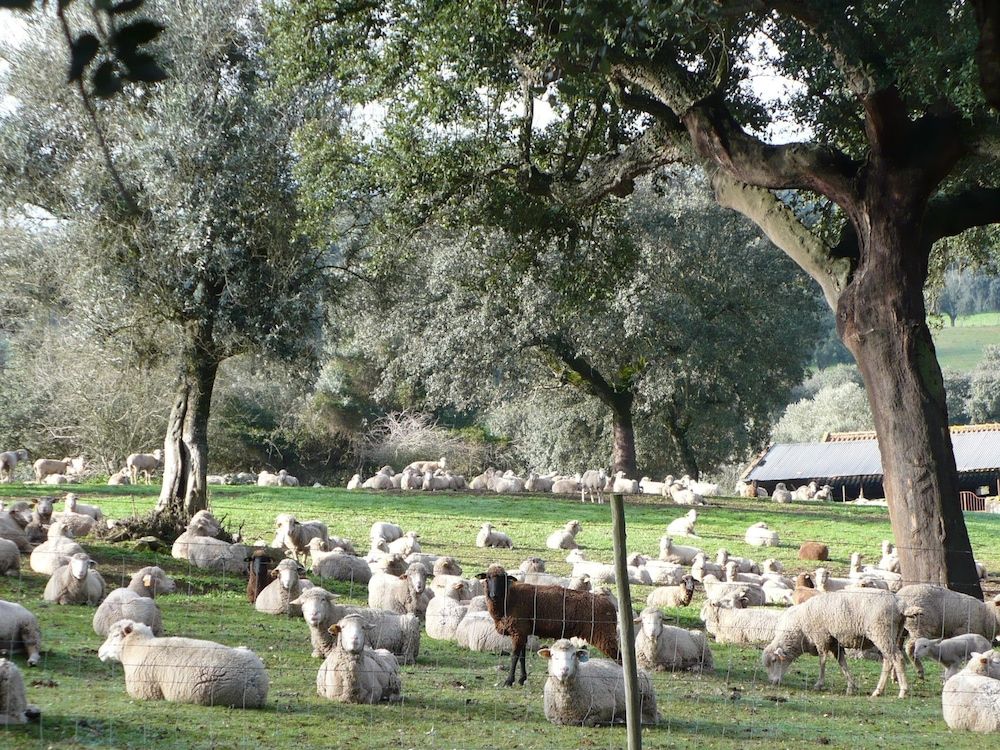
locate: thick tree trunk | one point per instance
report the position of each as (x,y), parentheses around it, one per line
(185,448)
(623,455)
(881,319)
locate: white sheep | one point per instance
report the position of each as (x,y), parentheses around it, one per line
(665,648)
(411,479)
(490,537)
(567,486)
(72,504)
(199,546)
(564,538)
(732,594)
(55,550)
(663,573)
(781,493)
(581,691)
(405,594)
(151,581)
(9,461)
(384,530)
(405,545)
(431,466)
(80,524)
(536,483)
(379,481)
(56,479)
(46,466)
(337,564)
(446,566)
(445,611)
(827,583)
(678,595)
(120,477)
(685,496)
(683,526)
(952,652)
(354,672)
(124,604)
(295,535)
(76,582)
(743,564)
(592,483)
(19,631)
(278,596)
(10,558)
(508,484)
(398,633)
(424,558)
(143,463)
(677,553)
(354,482)
(701,566)
(185,670)
(648,487)
(838,621)
(624,486)
(599,572)
(755,626)
(12,527)
(759,535)
(970,699)
(14,706)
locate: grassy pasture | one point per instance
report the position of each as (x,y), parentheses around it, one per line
(451,697)
(961,347)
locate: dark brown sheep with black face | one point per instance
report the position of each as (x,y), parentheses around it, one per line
(522,609)
(259,566)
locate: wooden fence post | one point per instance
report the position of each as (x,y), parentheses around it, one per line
(626,628)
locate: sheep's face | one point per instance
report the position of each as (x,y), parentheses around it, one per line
(315,607)
(70,502)
(497,582)
(111,649)
(776,662)
(157,581)
(564,659)
(352,634)
(922,646)
(652,623)
(80,566)
(44,507)
(287,573)
(417,576)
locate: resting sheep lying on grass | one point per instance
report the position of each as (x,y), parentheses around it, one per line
(405,594)
(76,582)
(19,631)
(123,604)
(199,546)
(970,699)
(678,595)
(490,537)
(584,692)
(55,550)
(355,673)
(14,706)
(755,626)
(10,558)
(338,564)
(564,538)
(279,595)
(445,612)
(665,648)
(683,526)
(185,670)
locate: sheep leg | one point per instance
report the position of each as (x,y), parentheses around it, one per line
(900,667)
(517,650)
(917,663)
(842,661)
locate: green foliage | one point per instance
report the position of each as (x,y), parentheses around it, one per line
(983,404)
(833,408)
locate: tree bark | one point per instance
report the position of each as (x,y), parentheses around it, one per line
(185,448)
(623,455)
(882,320)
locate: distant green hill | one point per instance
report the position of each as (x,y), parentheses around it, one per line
(961,347)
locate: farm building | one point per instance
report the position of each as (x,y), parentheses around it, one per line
(851,464)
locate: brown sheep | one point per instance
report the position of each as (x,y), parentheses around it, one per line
(259,565)
(804,588)
(522,609)
(814,551)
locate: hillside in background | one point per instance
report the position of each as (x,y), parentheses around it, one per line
(960,347)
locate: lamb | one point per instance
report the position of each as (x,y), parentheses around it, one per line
(672,596)
(123,604)
(259,566)
(445,611)
(337,564)
(9,461)
(400,634)
(295,535)
(582,692)
(665,648)
(151,581)
(405,594)
(677,553)
(946,613)
(406,545)
(623,486)
(14,706)
(143,463)
(838,621)
(10,558)
(383,530)
(199,546)
(521,609)
(355,673)
(76,582)
(814,551)
(45,466)
(683,526)
(53,552)
(72,505)
(759,535)
(185,670)
(19,631)
(781,493)
(745,627)
(564,538)
(490,537)
(951,652)
(592,483)
(287,586)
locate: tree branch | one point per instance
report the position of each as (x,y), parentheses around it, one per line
(951,214)
(610,395)
(988,49)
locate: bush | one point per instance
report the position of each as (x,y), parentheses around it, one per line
(836,408)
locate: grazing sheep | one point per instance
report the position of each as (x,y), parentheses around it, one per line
(490,537)
(564,538)
(953,652)
(287,586)
(677,553)
(683,526)
(592,483)
(781,493)
(14,706)
(834,622)
(400,634)
(521,609)
(123,604)
(338,564)
(19,631)
(946,613)
(295,535)
(9,461)
(814,551)
(354,672)
(759,535)
(406,545)
(12,527)
(755,626)
(405,594)
(55,550)
(584,692)
(665,648)
(445,611)
(383,530)
(672,596)
(259,566)
(199,546)
(10,558)
(76,582)
(185,670)
(143,463)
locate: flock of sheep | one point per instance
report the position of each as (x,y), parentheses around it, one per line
(413,593)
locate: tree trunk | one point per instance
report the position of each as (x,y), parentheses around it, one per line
(881,319)
(185,448)
(623,455)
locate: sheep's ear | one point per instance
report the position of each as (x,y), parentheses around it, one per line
(147,581)
(333,629)
(481,576)
(297,601)
(126,629)
(274,573)
(779,654)
(91,564)
(510,580)
(637,620)
(582,655)
(545,653)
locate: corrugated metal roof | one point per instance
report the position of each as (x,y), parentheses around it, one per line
(956,429)
(975,450)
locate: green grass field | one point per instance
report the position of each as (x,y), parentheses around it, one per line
(961,347)
(451,697)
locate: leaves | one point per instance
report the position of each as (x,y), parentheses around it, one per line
(105,80)
(129,37)
(82,52)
